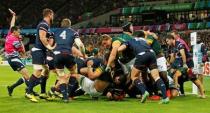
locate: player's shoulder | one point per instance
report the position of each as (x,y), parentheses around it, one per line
(43,23)
(150,37)
(179,44)
(70,30)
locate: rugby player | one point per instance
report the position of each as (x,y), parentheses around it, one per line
(14,48)
(145,58)
(97,81)
(152,40)
(39,52)
(65,37)
(114,43)
(181,74)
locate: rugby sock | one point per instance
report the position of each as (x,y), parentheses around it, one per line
(43,84)
(160,84)
(26,82)
(19,82)
(33,81)
(78,92)
(163,76)
(64,91)
(140,86)
(167,85)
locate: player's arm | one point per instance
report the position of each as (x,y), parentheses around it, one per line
(177,74)
(153,34)
(171,58)
(76,52)
(183,55)
(23,51)
(122,48)
(19,46)
(12,23)
(43,38)
(113,54)
(79,44)
(85,70)
(94,74)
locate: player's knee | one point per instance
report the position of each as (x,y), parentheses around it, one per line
(155,74)
(37,73)
(24,73)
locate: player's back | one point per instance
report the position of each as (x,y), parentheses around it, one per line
(138,45)
(64,38)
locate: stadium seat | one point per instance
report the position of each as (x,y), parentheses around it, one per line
(135,10)
(183,6)
(126,10)
(157,7)
(192,26)
(147,8)
(208,4)
(208,25)
(199,5)
(201,25)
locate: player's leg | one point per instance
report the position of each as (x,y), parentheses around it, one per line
(155,74)
(61,61)
(162,67)
(44,77)
(17,65)
(135,72)
(39,59)
(200,87)
(89,86)
(174,92)
(200,73)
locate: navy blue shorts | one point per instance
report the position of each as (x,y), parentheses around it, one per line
(64,60)
(15,63)
(51,64)
(147,60)
(39,57)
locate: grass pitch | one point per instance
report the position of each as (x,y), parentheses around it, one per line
(18,104)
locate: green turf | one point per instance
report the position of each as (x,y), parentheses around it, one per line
(18,103)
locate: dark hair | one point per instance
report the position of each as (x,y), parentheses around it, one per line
(126,26)
(122,77)
(169,37)
(140,34)
(46,12)
(14,28)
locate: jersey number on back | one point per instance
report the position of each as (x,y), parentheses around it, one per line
(63,35)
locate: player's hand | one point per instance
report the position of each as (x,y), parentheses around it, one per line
(51,47)
(177,86)
(12,12)
(185,65)
(108,69)
(20,38)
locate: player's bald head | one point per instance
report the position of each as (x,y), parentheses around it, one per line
(66,22)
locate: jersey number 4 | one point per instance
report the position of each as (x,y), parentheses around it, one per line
(63,35)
